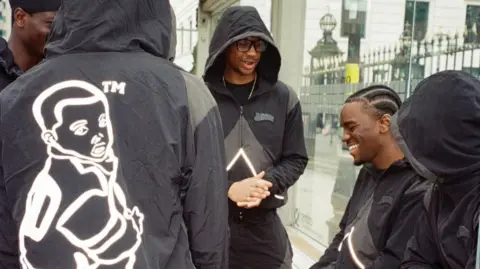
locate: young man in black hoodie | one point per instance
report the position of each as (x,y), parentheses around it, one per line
(112,157)
(262,123)
(438,130)
(388,193)
(30,26)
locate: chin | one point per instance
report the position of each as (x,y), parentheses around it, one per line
(247,73)
(358,162)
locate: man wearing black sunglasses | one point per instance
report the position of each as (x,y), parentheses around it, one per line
(263,128)
(31,21)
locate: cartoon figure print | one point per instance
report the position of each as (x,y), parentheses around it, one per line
(75,204)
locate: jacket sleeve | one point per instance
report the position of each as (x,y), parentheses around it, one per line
(421,250)
(206,202)
(294,157)
(329,258)
(403,228)
(8,230)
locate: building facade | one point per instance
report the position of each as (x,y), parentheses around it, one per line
(5,19)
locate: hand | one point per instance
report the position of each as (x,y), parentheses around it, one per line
(253,203)
(250,189)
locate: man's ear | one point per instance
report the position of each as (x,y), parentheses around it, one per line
(49,137)
(385,123)
(19,17)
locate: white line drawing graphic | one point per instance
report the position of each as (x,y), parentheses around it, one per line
(75,204)
(241,153)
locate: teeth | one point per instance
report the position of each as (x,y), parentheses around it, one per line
(352,147)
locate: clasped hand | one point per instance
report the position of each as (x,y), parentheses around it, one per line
(250,192)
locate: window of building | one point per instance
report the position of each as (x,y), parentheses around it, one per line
(472,24)
(421,18)
(354,14)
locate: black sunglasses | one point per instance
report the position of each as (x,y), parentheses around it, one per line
(245,45)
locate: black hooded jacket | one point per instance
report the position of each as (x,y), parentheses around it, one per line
(438,130)
(269,126)
(9,71)
(111,156)
(379,219)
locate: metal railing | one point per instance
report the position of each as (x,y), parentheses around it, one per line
(390,62)
(325,90)
(186,40)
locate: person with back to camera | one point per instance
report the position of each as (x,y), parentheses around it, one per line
(112,156)
(438,130)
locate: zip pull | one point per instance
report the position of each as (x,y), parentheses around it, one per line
(241,126)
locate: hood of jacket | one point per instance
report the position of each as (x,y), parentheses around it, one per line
(438,128)
(7,63)
(111,26)
(235,24)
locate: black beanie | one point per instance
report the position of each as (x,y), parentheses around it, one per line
(35,6)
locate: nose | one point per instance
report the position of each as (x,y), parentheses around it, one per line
(252,51)
(96,138)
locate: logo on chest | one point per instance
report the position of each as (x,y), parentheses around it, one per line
(263,117)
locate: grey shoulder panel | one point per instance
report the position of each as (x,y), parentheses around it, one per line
(200,100)
(292,98)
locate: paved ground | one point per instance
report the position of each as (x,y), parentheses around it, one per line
(305,251)
(301,260)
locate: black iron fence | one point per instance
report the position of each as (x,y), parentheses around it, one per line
(416,59)
(186,40)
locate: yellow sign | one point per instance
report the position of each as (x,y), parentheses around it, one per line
(352,73)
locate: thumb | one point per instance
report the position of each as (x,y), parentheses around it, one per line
(260,175)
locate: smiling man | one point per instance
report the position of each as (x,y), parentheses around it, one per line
(262,123)
(387,197)
(31,24)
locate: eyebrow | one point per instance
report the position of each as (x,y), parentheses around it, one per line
(74,125)
(348,122)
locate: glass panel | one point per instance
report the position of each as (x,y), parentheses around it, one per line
(351,46)
(347,47)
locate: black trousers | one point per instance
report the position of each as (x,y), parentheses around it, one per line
(258,240)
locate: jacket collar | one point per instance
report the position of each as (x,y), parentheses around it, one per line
(399,165)
(7,62)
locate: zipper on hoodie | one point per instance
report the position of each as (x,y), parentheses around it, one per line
(241,126)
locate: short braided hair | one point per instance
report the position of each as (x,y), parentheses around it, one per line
(383,99)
